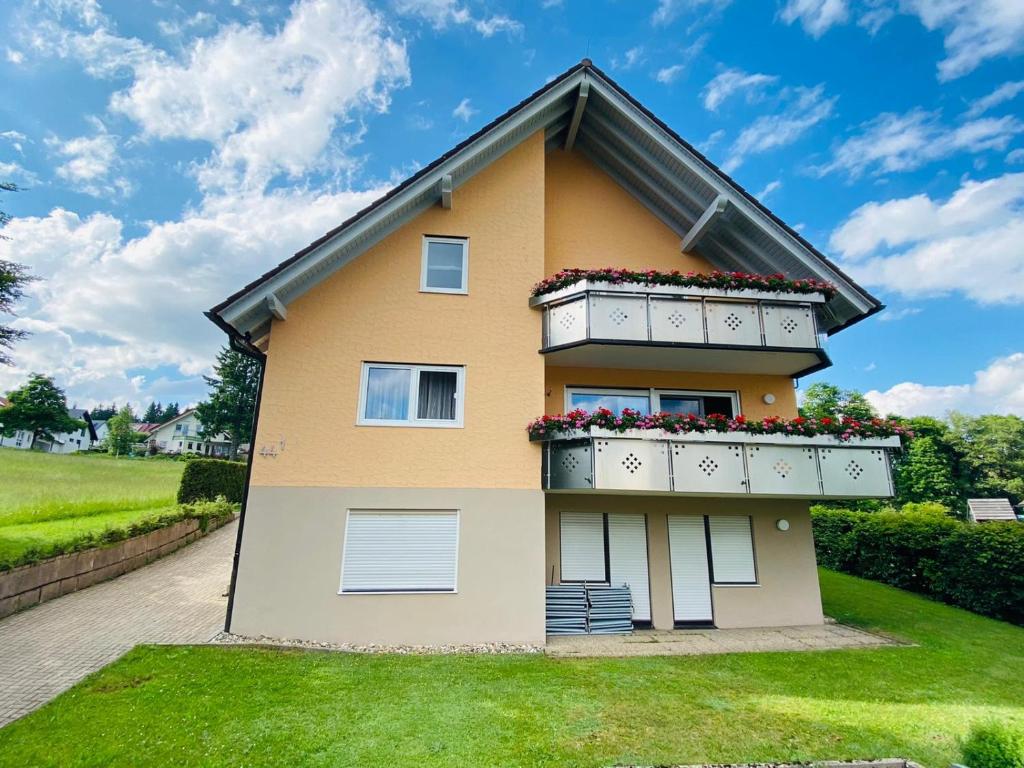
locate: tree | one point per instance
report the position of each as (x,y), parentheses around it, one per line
(993,454)
(926,472)
(827,400)
(120,435)
(39,407)
(172,411)
(103,412)
(154,414)
(232,400)
(13,279)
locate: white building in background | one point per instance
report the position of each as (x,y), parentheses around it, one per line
(62,442)
(182,435)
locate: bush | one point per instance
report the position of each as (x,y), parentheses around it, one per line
(205,512)
(993,746)
(206,479)
(923,549)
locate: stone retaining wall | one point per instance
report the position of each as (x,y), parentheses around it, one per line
(32,584)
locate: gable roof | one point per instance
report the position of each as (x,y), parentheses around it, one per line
(584,109)
(990,509)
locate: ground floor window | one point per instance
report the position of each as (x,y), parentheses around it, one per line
(732,549)
(407,551)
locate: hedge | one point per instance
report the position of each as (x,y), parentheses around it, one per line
(206,479)
(994,745)
(977,567)
(204,512)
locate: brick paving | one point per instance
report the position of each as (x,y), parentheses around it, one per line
(177,599)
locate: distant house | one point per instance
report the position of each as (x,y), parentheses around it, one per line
(182,435)
(61,442)
(102,430)
(20,439)
(987,510)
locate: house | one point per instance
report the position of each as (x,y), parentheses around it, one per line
(182,435)
(61,442)
(20,439)
(102,430)
(425,513)
(987,510)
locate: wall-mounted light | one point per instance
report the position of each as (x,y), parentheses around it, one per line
(782,525)
(768,398)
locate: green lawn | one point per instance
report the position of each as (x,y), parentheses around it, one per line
(48,500)
(196,706)
(44,486)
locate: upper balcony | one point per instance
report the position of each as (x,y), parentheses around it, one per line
(604,324)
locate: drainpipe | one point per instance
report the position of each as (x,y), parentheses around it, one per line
(243,345)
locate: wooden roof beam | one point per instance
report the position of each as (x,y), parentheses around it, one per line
(577,115)
(703,225)
(446,191)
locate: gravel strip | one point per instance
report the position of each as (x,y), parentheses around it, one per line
(226,638)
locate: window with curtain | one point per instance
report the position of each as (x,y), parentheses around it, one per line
(445,265)
(411,395)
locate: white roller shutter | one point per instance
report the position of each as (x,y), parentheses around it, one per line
(688,554)
(732,549)
(582,535)
(400,552)
(627,555)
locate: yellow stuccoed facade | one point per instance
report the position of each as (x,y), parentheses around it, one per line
(526,216)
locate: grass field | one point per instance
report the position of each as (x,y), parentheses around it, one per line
(199,706)
(49,499)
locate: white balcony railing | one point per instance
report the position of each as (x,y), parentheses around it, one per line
(719,464)
(669,327)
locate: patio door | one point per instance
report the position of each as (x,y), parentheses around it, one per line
(691,578)
(607,549)
(627,558)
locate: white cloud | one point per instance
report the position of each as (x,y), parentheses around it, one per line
(999,388)
(669,75)
(710,142)
(88,162)
(975,30)
(894,315)
(108,306)
(917,246)
(630,59)
(270,103)
(805,108)
(441,14)
(1004,93)
(669,10)
(725,84)
(13,56)
(464,111)
(893,142)
(1016,156)
(770,187)
(815,16)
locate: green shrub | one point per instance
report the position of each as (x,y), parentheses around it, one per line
(924,549)
(982,570)
(994,745)
(205,512)
(206,479)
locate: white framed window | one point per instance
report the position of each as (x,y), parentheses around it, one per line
(401,395)
(400,551)
(732,549)
(652,400)
(445,266)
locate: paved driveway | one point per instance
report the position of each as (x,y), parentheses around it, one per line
(177,599)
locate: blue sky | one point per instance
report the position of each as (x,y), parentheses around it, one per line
(171,151)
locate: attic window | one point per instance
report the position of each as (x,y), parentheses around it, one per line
(445,265)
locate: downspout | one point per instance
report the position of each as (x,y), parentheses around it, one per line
(241,344)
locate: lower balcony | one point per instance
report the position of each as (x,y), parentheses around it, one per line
(713,464)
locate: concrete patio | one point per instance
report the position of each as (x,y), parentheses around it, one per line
(694,642)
